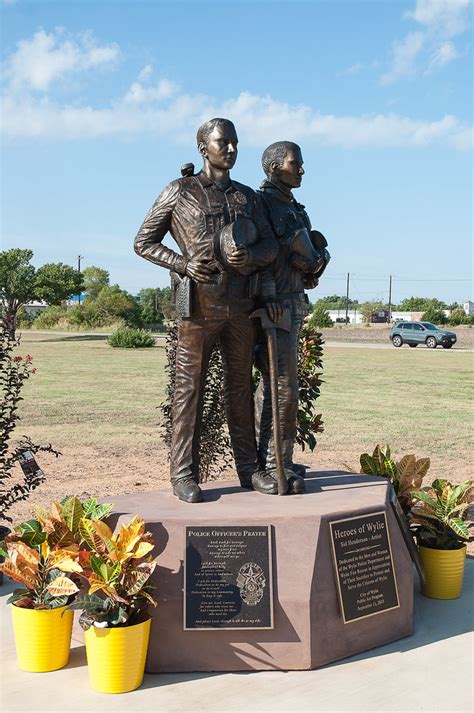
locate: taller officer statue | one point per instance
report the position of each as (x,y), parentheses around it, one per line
(224,237)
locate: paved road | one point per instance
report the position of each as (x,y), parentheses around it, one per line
(381,345)
(328,343)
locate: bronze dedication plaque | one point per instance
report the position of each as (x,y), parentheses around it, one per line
(363,566)
(228,578)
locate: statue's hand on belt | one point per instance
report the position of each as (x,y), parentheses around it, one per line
(200,270)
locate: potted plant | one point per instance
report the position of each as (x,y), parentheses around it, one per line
(41,621)
(442,531)
(114,610)
(44,555)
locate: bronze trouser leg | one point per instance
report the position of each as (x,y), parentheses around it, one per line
(287,347)
(237,344)
(196,338)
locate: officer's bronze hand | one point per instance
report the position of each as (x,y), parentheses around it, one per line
(310,281)
(275,311)
(200,270)
(239,256)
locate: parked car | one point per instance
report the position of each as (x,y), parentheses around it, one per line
(414,333)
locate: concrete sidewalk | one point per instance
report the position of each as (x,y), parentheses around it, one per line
(429,671)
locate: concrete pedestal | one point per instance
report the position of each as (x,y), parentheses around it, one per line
(308,626)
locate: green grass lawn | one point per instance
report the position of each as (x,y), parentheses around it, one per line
(87,394)
(417,400)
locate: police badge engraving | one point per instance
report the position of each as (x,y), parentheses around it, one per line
(240,198)
(251,582)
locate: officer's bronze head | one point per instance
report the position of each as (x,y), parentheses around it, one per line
(217,142)
(283,164)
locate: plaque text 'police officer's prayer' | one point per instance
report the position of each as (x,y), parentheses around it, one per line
(228,578)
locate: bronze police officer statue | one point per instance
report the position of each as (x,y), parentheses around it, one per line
(205,214)
(301,260)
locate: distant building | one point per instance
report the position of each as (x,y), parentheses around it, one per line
(338,316)
(74,300)
(468,307)
(33,308)
(403,317)
(379,316)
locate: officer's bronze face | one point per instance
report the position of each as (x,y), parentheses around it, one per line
(291,170)
(221,147)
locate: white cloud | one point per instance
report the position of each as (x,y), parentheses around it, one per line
(46,58)
(359,67)
(145,73)
(259,120)
(404,54)
(450,17)
(161,108)
(428,48)
(139,94)
(444,54)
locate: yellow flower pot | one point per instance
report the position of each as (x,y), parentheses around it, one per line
(42,637)
(444,572)
(116,657)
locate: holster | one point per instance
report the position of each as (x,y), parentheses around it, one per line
(182,288)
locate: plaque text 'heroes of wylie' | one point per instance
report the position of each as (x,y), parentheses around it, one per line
(363,563)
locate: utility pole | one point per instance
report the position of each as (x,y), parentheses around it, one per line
(390,300)
(347,299)
(79,258)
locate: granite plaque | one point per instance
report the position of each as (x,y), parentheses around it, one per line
(363,566)
(228,578)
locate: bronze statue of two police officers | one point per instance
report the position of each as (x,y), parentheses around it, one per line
(232,247)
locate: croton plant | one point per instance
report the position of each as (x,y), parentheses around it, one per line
(117,569)
(45,553)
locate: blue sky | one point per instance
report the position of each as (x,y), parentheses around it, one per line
(102,101)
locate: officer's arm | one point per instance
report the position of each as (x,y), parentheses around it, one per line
(148,243)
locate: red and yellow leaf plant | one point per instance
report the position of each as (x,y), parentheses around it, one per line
(117,569)
(45,554)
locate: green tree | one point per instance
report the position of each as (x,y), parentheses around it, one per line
(95,278)
(458,316)
(319,316)
(166,302)
(20,283)
(56,281)
(17,284)
(113,303)
(434,315)
(156,304)
(149,306)
(368,308)
(420,304)
(336,302)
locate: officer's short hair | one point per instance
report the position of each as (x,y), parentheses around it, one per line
(277,152)
(206,129)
